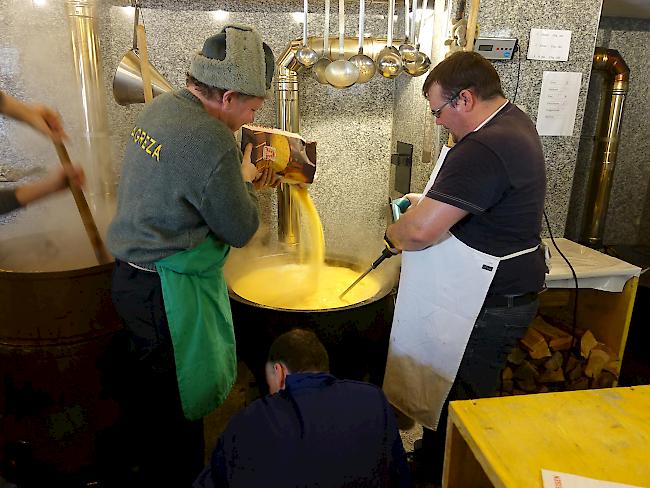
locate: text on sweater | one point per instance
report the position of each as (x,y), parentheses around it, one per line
(146,143)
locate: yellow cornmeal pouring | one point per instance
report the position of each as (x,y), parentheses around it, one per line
(311,284)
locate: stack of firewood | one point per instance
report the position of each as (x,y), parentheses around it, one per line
(549,358)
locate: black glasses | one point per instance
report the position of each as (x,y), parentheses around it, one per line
(438,111)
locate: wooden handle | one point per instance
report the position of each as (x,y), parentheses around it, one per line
(144,65)
(86,217)
(472,19)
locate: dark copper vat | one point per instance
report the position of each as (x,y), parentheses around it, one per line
(356,336)
(55,328)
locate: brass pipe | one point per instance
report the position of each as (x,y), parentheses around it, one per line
(288,109)
(616,84)
(84,36)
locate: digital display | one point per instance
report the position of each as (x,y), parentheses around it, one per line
(485,47)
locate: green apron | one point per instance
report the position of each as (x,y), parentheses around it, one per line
(198,312)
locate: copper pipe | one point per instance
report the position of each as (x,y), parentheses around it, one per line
(616,83)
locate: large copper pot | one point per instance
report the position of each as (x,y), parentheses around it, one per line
(55,328)
(355,336)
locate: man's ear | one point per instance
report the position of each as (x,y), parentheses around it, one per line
(229,97)
(466,99)
(276,374)
(281,373)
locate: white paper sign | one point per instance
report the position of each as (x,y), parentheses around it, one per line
(549,45)
(558,103)
(556,479)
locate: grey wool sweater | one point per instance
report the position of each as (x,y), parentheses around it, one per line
(181,179)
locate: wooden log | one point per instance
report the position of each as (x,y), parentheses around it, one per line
(574,373)
(555,376)
(549,331)
(613,367)
(606,379)
(597,359)
(527,385)
(561,343)
(506,374)
(535,344)
(555,362)
(516,356)
(587,343)
(580,384)
(571,362)
(525,376)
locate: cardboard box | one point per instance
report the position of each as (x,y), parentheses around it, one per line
(287,153)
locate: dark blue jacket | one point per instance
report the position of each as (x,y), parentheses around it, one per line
(318,431)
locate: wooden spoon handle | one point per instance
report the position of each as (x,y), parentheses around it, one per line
(86,217)
(144,65)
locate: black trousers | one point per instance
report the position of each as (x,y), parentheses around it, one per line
(158,445)
(495,333)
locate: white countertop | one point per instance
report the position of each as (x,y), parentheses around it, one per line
(593,268)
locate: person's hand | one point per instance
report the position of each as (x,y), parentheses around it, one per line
(414,198)
(48,122)
(60,178)
(57,180)
(266,179)
(390,247)
(248,170)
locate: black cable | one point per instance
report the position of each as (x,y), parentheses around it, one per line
(575,301)
(518,71)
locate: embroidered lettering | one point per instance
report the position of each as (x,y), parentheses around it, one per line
(156,152)
(146,142)
(153,141)
(487,268)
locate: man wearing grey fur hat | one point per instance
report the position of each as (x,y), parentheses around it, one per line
(186,195)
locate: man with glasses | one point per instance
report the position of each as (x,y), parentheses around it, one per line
(472,264)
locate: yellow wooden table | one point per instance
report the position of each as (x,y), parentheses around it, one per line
(505,442)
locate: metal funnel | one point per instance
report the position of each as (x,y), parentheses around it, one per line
(127,82)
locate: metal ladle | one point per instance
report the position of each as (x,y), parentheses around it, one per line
(365,63)
(421,63)
(321,65)
(389,61)
(306,55)
(342,73)
(406,50)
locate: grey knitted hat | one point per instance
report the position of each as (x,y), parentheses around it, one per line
(235,59)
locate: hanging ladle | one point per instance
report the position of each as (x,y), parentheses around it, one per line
(407,50)
(421,63)
(321,65)
(365,63)
(389,61)
(342,73)
(306,55)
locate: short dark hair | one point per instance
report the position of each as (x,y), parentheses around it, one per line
(209,92)
(465,70)
(300,351)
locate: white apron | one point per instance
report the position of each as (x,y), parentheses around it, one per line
(441,292)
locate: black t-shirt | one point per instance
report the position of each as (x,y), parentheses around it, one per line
(497,174)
